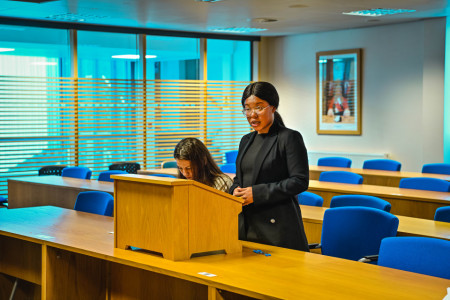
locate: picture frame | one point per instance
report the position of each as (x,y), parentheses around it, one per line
(338,78)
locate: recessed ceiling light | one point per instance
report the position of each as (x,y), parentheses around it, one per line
(237,29)
(69,17)
(263,20)
(7,49)
(376,12)
(132,56)
(298,6)
(210,1)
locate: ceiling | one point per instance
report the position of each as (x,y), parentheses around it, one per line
(293,16)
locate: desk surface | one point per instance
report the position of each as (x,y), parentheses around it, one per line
(407,225)
(287,274)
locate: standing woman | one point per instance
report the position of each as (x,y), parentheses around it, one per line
(271,169)
(196,163)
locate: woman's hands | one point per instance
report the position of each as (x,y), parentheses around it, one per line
(244,193)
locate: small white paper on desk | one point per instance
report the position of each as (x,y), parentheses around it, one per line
(207,274)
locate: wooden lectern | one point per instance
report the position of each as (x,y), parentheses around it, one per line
(174,217)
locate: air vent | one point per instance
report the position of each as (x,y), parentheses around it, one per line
(34,1)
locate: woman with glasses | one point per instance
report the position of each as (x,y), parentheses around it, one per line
(196,163)
(271,170)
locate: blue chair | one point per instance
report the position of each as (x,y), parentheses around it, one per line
(436,169)
(95,202)
(228,168)
(163,175)
(105,175)
(77,172)
(425,183)
(311,199)
(3,201)
(360,200)
(354,232)
(341,176)
(429,256)
(382,164)
(230,156)
(169,164)
(442,214)
(129,167)
(342,162)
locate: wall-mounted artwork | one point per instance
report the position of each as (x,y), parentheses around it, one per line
(339,92)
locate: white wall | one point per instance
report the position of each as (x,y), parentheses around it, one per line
(402,90)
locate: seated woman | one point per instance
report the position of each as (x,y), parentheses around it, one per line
(196,163)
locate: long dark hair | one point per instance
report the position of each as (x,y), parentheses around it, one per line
(204,168)
(267,92)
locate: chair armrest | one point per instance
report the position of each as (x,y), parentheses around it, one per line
(369,258)
(314,246)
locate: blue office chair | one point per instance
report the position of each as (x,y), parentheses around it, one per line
(106,175)
(360,200)
(311,199)
(129,167)
(169,164)
(429,256)
(77,172)
(163,175)
(442,214)
(341,176)
(3,201)
(230,156)
(354,232)
(342,162)
(228,168)
(436,169)
(382,164)
(425,183)
(95,202)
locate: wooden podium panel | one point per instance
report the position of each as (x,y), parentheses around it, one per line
(174,217)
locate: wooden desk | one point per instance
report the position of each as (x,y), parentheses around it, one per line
(404,202)
(67,253)
(313,218)
(169,171)
(51,190)
(375,177)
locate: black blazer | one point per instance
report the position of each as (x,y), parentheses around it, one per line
(280,173)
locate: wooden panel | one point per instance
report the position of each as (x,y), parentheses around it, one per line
(74,276)
(24,290)
(213,222)
(133,283)
(51,190)
(21,259)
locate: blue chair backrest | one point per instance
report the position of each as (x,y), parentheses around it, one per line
(425,183)
(230,156)
(436,168)
(311,199)
(228,168)
(169,164)
(354,232)
(163,175)
(360,200)
(442,214)
(341,176)
(95,202)
(77,172)
(424,255)
(106,175)
(342,162)
(382,164)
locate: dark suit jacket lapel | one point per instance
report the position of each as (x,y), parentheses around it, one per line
(269,140)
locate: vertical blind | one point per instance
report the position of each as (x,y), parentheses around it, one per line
(97,122)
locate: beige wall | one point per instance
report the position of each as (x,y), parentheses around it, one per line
(402,91)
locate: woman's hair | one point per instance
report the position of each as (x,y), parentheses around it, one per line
(267,92)
(203,166)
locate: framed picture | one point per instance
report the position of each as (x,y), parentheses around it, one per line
(339,92)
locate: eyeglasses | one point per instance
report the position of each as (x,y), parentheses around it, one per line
(257,110)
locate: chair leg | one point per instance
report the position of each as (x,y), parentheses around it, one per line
(14,289)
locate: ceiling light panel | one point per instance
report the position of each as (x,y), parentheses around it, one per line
(377,12)
(237,29)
